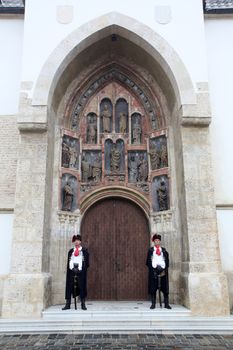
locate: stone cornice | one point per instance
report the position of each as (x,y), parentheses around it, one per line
(32,127)
(196,121)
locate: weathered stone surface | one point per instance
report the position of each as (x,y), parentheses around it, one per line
(9,137)
(25,295)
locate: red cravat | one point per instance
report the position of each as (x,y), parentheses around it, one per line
(158,252)
(76,253)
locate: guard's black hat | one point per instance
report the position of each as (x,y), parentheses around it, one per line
(76,237)
(155,236)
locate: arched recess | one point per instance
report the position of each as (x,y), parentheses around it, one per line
(116,191)
(68,74)
(168,62)
(176,84)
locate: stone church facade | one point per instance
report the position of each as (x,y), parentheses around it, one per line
(111,139)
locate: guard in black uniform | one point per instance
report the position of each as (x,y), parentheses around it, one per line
(76,275)
(158,264)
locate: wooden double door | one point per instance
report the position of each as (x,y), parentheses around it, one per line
(116,233)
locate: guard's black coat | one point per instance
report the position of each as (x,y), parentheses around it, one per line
(152,280)
(82,277)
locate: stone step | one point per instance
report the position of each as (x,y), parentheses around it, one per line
(108,310)
(119,317)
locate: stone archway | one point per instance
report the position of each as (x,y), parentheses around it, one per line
(203,285)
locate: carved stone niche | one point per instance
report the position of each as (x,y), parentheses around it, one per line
(160,193)
(70,152)
(114,157)
(106,116)
(91,137)
(91,167)
(137,166)
(158,152)
(153,120)
(121,116)
(68,192)
(136,129)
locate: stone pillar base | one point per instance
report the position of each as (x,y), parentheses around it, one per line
(26,295)
(206,294)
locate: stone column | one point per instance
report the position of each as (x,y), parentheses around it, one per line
(205,289)
(27,289)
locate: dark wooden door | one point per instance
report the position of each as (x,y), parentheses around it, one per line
(116,233)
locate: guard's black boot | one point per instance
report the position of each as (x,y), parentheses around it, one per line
(67,306)
(166,303)
(83,306)
(152,302)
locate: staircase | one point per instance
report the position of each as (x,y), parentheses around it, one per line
(119,317)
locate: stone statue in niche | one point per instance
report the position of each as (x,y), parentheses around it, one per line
(133,169)
(115,159)
(73,156)
(97,168)
(154,157)
(67,197)
(153,121)
(162,196)
(136,132)
(163,155)
(92,130)
(86,169)
(122,122)
(142,169)
(107,116)
(66,155)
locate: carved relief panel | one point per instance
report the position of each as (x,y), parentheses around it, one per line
(113,138)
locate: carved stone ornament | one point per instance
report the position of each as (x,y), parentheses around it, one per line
(160,193)
(158,153)
(70,152)
(68,192)
(91,166)
(112,74)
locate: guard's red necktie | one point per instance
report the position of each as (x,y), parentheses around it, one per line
(158,252)
(76,253)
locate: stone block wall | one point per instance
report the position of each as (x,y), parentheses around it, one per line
(9,137)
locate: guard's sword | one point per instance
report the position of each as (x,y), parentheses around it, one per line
(159,287)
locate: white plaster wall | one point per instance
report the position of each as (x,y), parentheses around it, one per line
(185,31)
(11,40)
(219,32)
(225,229)
(6,224)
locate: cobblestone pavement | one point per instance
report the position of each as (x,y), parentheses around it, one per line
(115,342)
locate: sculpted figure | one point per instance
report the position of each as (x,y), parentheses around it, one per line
(106,115)
(137,131)
(163,156)
(67,197)
(143,169)
(92,131)
(153,121)
(154,158)
(122,122)
(73,156)
(162,196)
(86,169)
(97,169)
(115,159)
(65,155)
(133,169)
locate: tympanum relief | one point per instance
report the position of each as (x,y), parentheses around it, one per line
(114,138)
